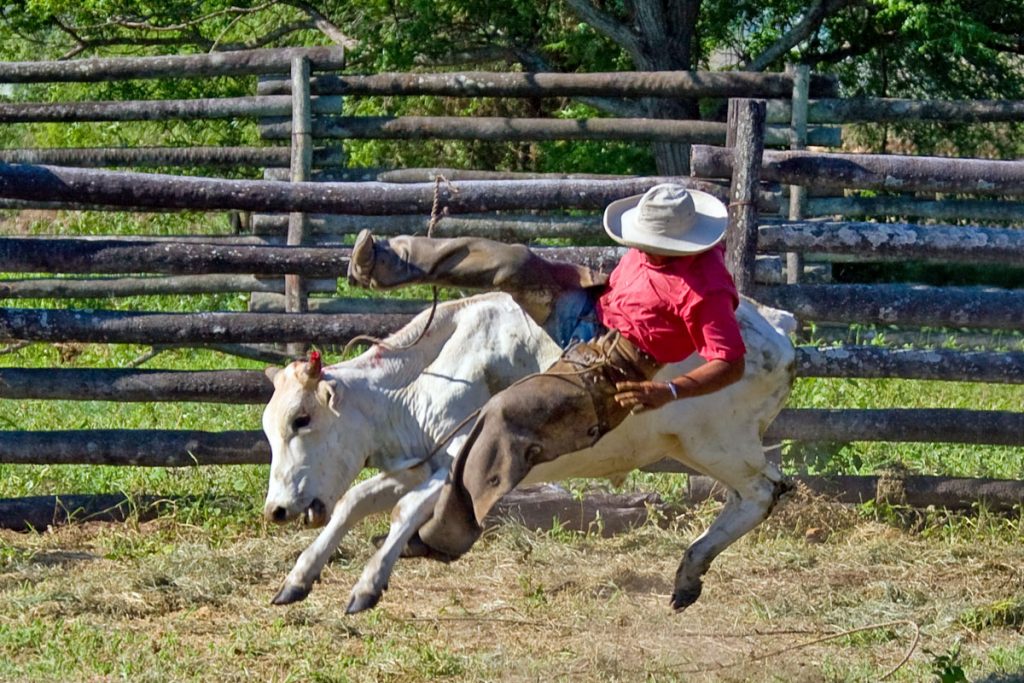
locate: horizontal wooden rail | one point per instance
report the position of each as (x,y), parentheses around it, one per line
(924,425)
(175,448)
(896,241)
(70,255)
(672,84)
(928,364)
(504,129)
(90,157)
(160,110)
(115,327)
(882,110)
(986,210)
(74,255)
(899,304)
(137,447)
(503,227)
(238,63)
(133,386)
(104,288)
(833,110)
(251,386)
(885,172)
(144,190)
(918,491)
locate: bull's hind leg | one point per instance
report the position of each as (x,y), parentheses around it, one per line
(412,510)
(750,501)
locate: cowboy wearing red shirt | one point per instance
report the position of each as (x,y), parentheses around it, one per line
(670,296)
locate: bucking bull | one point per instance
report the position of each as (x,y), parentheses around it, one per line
(389,408)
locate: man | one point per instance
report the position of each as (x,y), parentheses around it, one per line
(669,296)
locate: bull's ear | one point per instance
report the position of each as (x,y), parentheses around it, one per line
(330,395)
(271,372)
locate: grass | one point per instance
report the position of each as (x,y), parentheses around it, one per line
(165,600)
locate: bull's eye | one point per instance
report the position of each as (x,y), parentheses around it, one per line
(300,422)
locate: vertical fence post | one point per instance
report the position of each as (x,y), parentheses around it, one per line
(746,131)
(301,170)
(798,140)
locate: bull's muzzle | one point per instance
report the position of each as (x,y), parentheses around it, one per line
(315,514)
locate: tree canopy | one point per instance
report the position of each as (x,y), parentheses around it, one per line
(892,48)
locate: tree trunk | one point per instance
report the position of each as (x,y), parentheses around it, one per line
(667,30)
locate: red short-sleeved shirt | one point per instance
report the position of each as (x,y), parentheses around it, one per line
(687,304)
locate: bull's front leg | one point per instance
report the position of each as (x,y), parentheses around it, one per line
(377,494)
(412,510)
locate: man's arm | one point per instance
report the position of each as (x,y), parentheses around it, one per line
(706,379)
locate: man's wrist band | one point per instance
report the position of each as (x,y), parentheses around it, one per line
(672,388)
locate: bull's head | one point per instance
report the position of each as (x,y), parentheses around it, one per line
(308,469)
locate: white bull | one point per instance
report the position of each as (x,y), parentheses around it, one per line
(387,409)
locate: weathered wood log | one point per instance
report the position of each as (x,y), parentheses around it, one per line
(108,288)
(115,327)
(886,172)
(746,118)
(140,190)
(503,226)
(938,425)
(261,302)
(237,63)
(171,448)
(673,84)
(38,513)
(984,210)
(504,129)
(929,364)
(102,288)
(918,491)
(160,110)
(137,447)
(539,508)
(141,157)
(427,175)
(70,255)
(132,386)
(891,110)
(899,304)
(883,110)
(501,129)
(250,386)
(896,241)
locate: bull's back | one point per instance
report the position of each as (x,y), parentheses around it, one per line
(701,430)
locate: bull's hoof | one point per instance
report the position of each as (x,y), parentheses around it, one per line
(290,594)
(362,602)
(684,597)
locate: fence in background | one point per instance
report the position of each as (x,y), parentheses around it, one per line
(300,226)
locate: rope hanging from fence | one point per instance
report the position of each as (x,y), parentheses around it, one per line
(436,211)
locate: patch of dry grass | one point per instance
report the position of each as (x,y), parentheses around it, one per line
(161,601)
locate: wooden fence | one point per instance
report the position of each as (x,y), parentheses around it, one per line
(311,219)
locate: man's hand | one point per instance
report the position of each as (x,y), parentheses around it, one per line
(708,378)
(639,396)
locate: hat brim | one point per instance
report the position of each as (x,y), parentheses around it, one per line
(712,217)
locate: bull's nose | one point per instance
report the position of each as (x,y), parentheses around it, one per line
(277,515)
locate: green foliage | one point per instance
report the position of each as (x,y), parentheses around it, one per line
(947,666)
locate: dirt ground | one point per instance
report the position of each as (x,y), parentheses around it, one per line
(818,593)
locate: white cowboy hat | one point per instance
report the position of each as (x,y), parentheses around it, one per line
(668,220)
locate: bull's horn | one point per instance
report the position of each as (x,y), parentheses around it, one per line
(311,372)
